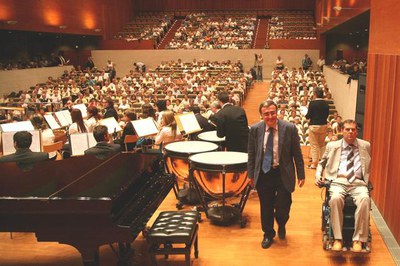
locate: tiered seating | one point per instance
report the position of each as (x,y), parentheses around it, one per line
(147,26)
(292,91)
(292,25)
(215,30)
(182,84)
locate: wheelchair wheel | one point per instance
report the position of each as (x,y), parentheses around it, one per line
(325,242)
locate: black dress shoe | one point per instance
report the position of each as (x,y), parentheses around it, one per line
(282,232)
(267,242)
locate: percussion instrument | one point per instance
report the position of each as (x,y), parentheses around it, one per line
(176,158)
(177,154)
(211,136)
(221,175)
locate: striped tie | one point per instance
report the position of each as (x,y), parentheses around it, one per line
(353,164)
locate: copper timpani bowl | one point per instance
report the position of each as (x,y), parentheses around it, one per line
(220,173)
(177,154)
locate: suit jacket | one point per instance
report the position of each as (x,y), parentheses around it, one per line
(102,150)
(289,152)
(204,124)
(111,112)
(331,159)
(232,124)
(25,158)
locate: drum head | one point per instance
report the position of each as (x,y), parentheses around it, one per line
(220,158)
(190,147)
(210,136)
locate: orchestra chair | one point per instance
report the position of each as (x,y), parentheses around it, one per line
(130,139)
(54,147)
(174,232)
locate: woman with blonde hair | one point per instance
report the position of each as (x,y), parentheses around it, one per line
(169,132)
(47,134)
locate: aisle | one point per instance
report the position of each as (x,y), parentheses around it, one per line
(256,95)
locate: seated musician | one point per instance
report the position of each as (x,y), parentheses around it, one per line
(129,116)
(47,134)
(23,156)
(203,122)
(169,132)
(103,148)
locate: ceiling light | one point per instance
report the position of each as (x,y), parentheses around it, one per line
(337,8)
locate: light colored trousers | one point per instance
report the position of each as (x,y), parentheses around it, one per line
(359,192)
(317,136)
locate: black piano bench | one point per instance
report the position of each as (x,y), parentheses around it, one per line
(174,232)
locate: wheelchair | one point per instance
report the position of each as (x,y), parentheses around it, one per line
(348,223)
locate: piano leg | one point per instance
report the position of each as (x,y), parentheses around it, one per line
(90,257)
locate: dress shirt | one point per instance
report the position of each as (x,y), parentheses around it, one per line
(343,160)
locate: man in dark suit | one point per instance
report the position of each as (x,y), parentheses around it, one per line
(232,124)
(103,149)
(274,151)
(23,156)
(109,108)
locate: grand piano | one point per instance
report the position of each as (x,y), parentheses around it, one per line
(84,202)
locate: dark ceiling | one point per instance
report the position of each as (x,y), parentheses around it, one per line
(354,26)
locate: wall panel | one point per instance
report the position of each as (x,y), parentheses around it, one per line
(382,128)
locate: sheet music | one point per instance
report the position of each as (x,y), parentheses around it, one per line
(81,107)
(62,118)
(51,121)
(189,123)
(91,141)
(111,124)
(17,126)
(79,143)
(145,127)
(8,142)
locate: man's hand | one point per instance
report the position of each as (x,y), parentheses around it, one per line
(251,182)
(301,182)
(318,181)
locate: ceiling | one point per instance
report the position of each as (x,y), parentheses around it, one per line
(354,26)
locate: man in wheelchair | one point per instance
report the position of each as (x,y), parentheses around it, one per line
(347,165)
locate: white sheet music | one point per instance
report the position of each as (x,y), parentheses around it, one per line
(81,142)
(189,123)
(64,117)
(51,121)
(8,142)
(81,107)
(111,124)
(145,127)
(17,126)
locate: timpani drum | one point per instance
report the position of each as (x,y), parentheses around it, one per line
(211,136)
(221,174)
(177,154)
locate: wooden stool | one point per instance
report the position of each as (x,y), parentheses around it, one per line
(174,228)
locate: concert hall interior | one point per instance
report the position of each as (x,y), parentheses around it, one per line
(137,108)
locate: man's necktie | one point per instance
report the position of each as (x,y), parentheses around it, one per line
(353,163)
(269,151)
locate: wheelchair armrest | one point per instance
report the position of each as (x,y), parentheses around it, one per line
(370,186)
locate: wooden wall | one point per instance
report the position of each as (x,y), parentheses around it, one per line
(79,16)
(382,124)
(181,5)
